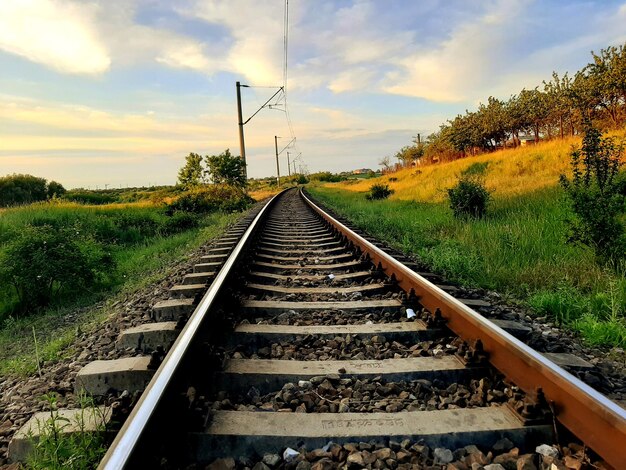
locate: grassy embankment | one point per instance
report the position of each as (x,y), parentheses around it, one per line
(142,240)
(520,249)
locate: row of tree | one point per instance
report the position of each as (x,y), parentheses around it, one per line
(219,169)
(557,108)
(25,189)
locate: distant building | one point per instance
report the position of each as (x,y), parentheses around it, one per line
(526,140)
(361,171)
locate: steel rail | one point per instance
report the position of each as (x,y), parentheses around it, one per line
(593,418)
(122,447)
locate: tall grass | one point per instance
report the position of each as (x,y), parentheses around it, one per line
(510,172)
(519,249)
(138,264)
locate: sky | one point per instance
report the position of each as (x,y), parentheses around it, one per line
(97,93)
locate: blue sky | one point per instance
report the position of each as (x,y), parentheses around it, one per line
(118,92)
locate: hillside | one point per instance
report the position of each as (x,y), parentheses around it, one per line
(519,249)
(510,172)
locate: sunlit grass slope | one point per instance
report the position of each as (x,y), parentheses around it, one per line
(519,249)
(510,172)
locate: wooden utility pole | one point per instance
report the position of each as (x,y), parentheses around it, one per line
(242,145)
(288,165)
(277,164)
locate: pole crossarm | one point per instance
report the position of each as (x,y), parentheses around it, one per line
(263,106)
(287,146)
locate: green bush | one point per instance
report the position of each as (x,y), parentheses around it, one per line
(43,261)
(379,191)
(89,197)
(180,221)
(597,195)
(469,198)
(302,179)
(211,198)
(327,176)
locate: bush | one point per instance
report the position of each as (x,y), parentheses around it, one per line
(180,221)
(44,261)
(469,198)
(302,179)
(89,197)
(211,198)
(379,191)
(23,189)
(597,196)
(327,176)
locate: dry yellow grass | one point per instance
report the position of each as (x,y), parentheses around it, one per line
(510,172)
(264,193)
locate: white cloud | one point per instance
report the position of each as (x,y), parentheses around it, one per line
(468,62)
(257,30)
(55,33)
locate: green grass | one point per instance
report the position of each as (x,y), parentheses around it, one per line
(137,265)
(519,249)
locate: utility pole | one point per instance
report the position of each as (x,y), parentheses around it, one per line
(288,165)
(277,164)
(242,145)
(294,167)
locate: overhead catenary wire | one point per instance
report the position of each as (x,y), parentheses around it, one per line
(286,75)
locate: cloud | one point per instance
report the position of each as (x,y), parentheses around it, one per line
(54,33)
(467,61)
(257,32)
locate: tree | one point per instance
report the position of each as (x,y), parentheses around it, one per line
(535,105)
(385,162)
(226,168)
(55,189)
(560,102)
(22,189)
(191,174)
(410,153)
(607,74)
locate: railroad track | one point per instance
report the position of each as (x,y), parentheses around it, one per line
(312,339)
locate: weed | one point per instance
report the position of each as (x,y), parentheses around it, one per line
(379,191)
(58,448)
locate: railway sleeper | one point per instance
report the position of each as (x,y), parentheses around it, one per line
(337,267)
(207,267)
(213,258)
(100,377)
(187,290)
(172,309)
(366,289)
(244,434)
(271,278)
(271,374)
(199,278)
(149,336)
(278,306)
(255,335)
(305,257)
(301,252)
